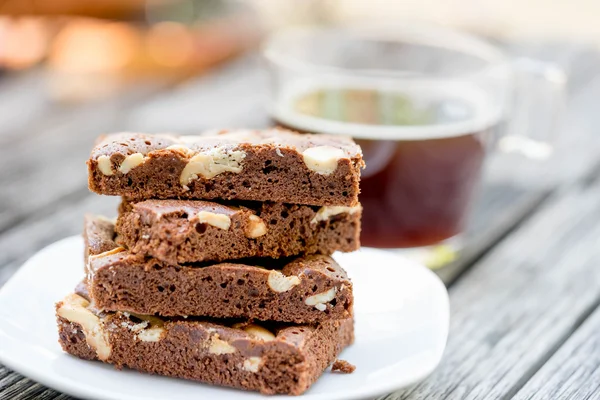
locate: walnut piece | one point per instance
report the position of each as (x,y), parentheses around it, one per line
(322,159)
(259,332)
(280,283)
(152,328)
(218,346)
(74,308)
(221,221)
(104,165)
(327,212)
(131,161)
(211,163)
(320,300)
(256,227)
(252,364)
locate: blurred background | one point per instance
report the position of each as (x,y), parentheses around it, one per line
(117,42)
(70,70)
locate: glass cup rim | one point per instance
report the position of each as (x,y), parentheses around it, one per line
(274,47)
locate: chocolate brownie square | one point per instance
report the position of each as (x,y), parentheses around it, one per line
(271,165)
(183,231)
(270,358)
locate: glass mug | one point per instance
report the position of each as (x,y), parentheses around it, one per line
(426,104)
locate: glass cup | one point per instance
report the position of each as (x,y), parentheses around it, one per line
(426,105)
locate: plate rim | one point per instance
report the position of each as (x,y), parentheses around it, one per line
(86,390)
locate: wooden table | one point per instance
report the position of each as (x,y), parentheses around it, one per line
(525,295)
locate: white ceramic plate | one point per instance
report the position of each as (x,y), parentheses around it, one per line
(401,313)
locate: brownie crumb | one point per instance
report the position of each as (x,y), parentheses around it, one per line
(343,367)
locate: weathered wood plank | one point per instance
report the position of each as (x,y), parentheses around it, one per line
(235,97)
(45,171)
(18,100)
(23,388)
(19,243)
(574,371)
(499,210)
(520,302)
(29,105)
(17,387)
(24,99)
(46,164)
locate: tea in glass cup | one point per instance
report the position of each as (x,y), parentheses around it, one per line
(425,104)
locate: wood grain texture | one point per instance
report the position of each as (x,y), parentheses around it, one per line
(18,244)
(22,388)
(23,100)
(521,302)
(46,164)
(235,96)
(574,371)
(499,209)
(16,387)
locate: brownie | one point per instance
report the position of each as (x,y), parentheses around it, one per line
(271,165)
(343,367)
(270,358)
(182,231)
(307,289)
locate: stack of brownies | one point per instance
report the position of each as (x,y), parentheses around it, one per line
(218,267)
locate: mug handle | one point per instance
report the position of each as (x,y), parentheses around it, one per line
(535,112)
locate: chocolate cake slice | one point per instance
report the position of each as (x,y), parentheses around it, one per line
(303,290)
(272,165)
(270,358)
(183,231)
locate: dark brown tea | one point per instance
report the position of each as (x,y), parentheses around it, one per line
(417,193)
(424,153)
